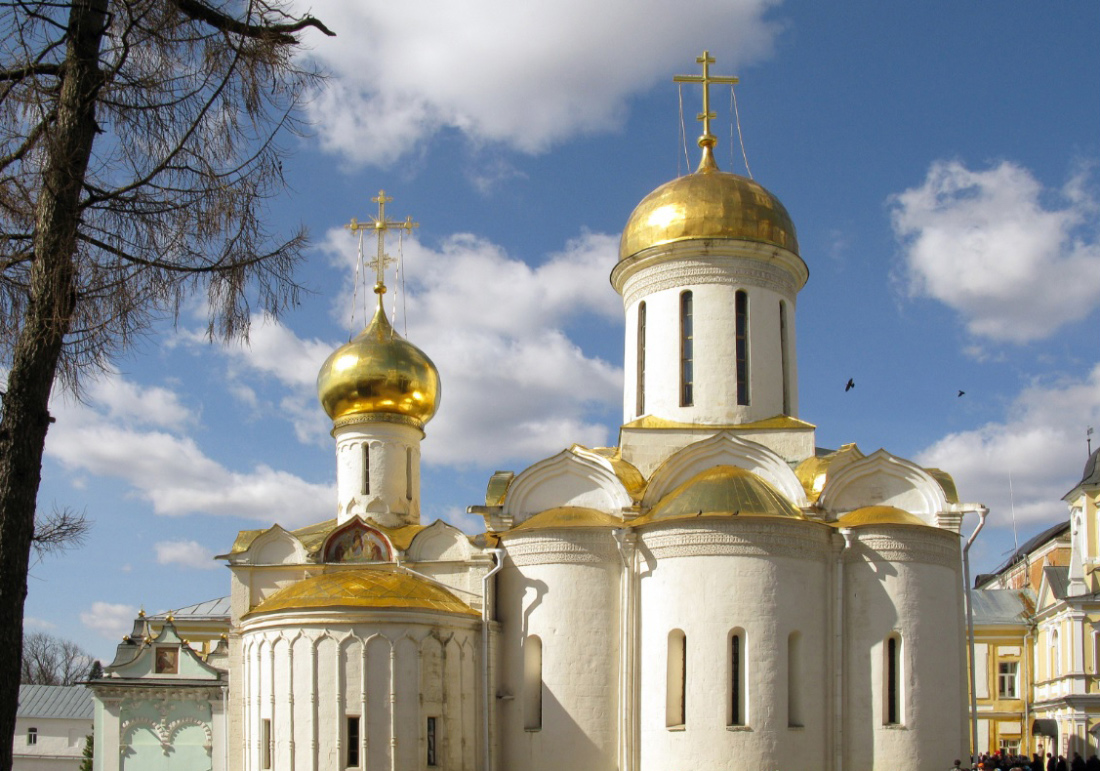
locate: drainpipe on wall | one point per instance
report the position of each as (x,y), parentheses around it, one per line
(983,512)
(626,657)
(838,653)
(487,699)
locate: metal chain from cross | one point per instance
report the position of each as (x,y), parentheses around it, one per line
(380,225)
(706,116)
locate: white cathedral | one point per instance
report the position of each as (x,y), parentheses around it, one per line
(714,592)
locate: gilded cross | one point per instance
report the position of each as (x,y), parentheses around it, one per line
(706,116)
(380,225)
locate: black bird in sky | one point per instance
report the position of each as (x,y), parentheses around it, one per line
(850,386)
(962,393)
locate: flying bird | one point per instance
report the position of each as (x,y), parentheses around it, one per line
(962,393)
(850,386)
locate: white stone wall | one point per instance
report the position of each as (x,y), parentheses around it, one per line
(714,280)
(393,671)
(394,497)
(766,578)
(562,587)
(59,743)
(903,581)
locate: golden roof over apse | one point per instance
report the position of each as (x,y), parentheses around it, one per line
(379,374)
(727,491)
(364,588)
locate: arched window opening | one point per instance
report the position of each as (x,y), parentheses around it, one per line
(794,680)
(892,685)
(784,361)
(1055,655)
(640,386)
(366,469)
(353,741)
(532,683)
(676,693)
(687,351)
(408,474)
(741,311)
(736,704)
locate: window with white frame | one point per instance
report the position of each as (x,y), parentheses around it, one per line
(1007,679)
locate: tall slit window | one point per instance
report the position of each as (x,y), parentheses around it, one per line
(353,742)
(784,361)
(794,680)
(736,703)
(366,469)
(741,311)
(676,676)
(265,743)
(892,684)
(432,757)
(408,474)
(640,387)
(687,351)
(32,735)
(532,683)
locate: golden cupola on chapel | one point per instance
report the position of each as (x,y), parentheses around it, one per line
(380,390)
(379,373)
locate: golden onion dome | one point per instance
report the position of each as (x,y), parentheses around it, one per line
(708,204)
(879,515)
(379,373)
(722,491)
(566,517)
(365,589)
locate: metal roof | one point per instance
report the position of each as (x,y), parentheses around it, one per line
(216,608)
(1031,545)
(1000,606)
(1057,576)
(55,701)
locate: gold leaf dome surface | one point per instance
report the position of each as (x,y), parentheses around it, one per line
(722,491)
(379,372)
(708,204)
(366,589)
(879,515)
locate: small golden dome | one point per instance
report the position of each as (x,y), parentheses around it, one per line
(722,491)
(567,517)
(379,372)
(704,205)
(879,515)
(365,589)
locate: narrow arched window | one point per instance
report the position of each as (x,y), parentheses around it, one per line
(532,683)
(640,386)
(794,680)
(891,669)
(784,361)
(687,351)
(736,703)
(676,680)
(366,469)
(741,323)
(1055,655)
(408,474)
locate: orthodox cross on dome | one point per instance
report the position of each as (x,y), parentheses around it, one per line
(708,140)
(380,225)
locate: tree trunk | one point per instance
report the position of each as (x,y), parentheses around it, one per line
(49,311)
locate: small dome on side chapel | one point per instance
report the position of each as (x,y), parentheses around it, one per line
(379,372)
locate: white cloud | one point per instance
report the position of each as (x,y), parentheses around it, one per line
(525,74)
(1040,449)
(988,244)
(30,622)
(188,554)
(169,469)
(109,619)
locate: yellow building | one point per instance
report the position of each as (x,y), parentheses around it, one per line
(1037,637)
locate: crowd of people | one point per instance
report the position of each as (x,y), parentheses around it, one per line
(1004,762)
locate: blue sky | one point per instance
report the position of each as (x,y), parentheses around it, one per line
(939,159)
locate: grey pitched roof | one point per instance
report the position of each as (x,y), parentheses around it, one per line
(1058,578)
(1031,545)
(216,608)
(1091,476)
(1001,606)
(56,701)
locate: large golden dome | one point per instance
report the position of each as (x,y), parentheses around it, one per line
(379,373)
(704,205)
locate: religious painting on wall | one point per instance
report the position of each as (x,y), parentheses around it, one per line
(358,544)
(167,661)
